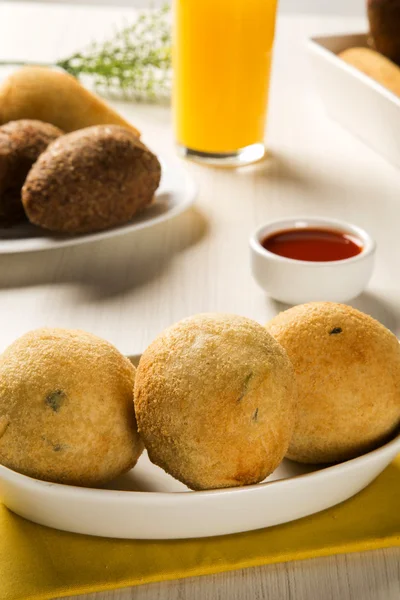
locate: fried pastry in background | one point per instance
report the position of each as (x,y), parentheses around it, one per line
(56,97)
(375,65)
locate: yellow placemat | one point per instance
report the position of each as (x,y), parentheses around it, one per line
(38,563)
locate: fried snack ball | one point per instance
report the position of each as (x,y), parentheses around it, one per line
(21,143)
(66,408)
(348,375)
(214,400)
(91,179)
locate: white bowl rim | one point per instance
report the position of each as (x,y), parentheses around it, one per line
(98,494)
(302,222)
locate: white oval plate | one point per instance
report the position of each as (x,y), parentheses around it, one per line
(176,194)
(146,503)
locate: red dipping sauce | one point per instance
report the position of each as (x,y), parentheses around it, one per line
(313,244)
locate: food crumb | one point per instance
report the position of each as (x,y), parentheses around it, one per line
(335,330)
(245,386)
(55,400)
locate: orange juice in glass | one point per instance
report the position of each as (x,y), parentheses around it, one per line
(222,60)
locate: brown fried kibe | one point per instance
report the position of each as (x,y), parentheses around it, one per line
(89,180)
(66,408)
(384,23)
(21,143)
(348,375)
(214,400)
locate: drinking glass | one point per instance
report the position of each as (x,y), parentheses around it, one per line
(222,59)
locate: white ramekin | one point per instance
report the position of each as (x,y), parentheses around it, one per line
(297,281)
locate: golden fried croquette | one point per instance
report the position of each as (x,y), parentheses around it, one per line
(21,142)
(348,375)
(91,179)
(66,408)
(214,400)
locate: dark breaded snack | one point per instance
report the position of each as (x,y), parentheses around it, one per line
(11,210)
(214,398)
(91,179)
(66,408)
(348,375)
(384,23)
(21,142)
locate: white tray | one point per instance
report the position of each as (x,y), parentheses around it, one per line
(149,504)
(363,106)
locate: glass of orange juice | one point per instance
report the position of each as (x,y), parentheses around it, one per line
(222,59)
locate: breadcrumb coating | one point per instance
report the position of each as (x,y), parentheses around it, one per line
(91,179)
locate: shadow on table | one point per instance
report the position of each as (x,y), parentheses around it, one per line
(368,303)
(279,167)
(311,185)
(109,267)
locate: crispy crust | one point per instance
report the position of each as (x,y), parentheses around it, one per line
(348,375)
(91,179)
(214,399)
(66,408)
(21,143)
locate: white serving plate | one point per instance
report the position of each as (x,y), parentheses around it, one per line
(175,194)
(363,106)
(146,503)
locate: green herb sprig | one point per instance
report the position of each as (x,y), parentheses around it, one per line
(134,64)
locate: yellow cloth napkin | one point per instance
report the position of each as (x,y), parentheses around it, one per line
(39,563)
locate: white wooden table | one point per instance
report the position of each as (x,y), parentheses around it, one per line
(128,289)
